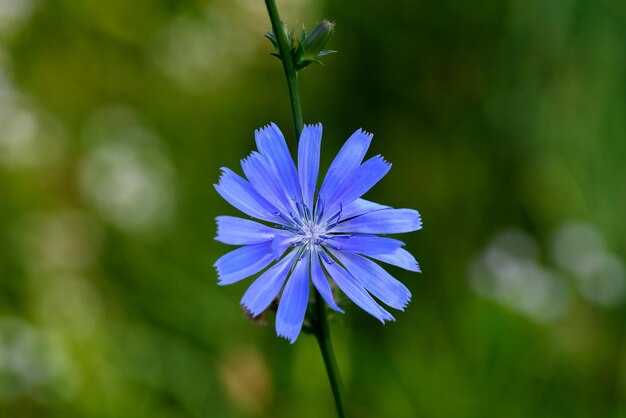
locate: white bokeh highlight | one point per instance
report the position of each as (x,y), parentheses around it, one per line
(35,362)
(125,173)
(508,271)
(579,249)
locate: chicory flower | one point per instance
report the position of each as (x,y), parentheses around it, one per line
(305,236)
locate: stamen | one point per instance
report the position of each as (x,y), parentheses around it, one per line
(327,258)
(333,245)
(284,218)
(335,218)
(319,207)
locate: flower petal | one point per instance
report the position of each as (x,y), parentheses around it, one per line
(239,231)
(243,262)
(357,183)
(271,144)
(264,180)
(348,159)
(266,287)
(282,242)
(400,257)
(355,291)
(375,279)
(239,193)
(360,207)
(309,161)
(385,221)
(364,244)
(320,282)
(294,301)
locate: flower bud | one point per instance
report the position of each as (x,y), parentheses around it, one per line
(311,45)
(315,41)
(306,48)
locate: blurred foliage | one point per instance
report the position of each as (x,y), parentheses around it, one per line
(505,122)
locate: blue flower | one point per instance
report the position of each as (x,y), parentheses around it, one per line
(312,237)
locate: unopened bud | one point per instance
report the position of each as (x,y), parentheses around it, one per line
(315,41)
(308,47)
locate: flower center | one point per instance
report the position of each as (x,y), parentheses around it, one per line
(312,234)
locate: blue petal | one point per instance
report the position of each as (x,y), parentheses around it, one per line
(265,289)
(272,146)
(386,221)
(239,231)
(358,182)
(355,291)
(239,193)
(309,161)
(360,207)
(281,243)
(364,244)
(294,301)
(320,282)
(400,257)
(375,279)
(243,262)
(348,159)
(264,180)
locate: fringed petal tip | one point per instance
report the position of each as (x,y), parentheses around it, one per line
(220,281)
(419,220)
(289,332)
(265,127)
(253,314)
(386,317)
(365,133)
(223,171)
(406,304)
(270,127)
(314,126)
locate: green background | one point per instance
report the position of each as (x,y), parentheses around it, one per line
(505,122)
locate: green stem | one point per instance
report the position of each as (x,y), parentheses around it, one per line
(321,329)
(288,66)
(322,332)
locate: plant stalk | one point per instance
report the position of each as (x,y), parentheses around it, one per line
(288,66)
(322,333)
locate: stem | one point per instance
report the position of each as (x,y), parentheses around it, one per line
(290,69)
(322,332)
(321,329)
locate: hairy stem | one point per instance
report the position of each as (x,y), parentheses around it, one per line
(320,327)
